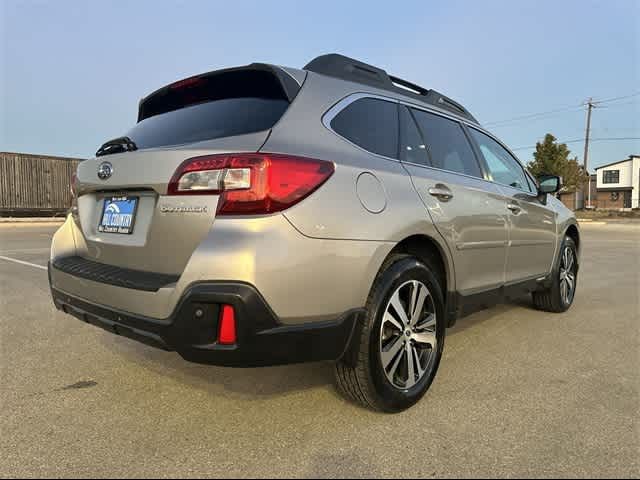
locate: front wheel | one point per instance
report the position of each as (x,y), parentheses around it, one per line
(560,295)
(401,340)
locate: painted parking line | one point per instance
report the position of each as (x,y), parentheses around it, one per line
(22,262)
(24,250)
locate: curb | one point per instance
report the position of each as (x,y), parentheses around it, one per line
(609,220)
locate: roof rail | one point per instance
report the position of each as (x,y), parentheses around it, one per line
(345,68)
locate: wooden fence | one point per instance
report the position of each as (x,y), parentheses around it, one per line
(35,184)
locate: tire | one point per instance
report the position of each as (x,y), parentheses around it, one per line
(554,298)
(361,376)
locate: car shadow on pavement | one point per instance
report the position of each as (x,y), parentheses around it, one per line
(265,382)
(247,383)
(474,320)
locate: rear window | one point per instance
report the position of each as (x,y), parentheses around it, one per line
(211,106)
(208,121)
(371,124)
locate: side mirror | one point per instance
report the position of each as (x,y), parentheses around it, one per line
(549,184)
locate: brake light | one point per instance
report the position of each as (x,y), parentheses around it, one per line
(187,82)
(251,183)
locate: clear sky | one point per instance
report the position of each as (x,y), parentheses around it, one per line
(72,72)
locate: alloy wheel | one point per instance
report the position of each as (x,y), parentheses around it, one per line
(567,276)
(408,337)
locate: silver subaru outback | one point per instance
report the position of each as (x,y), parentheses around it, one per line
(264,215)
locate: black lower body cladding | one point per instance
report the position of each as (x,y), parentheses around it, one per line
(192,329)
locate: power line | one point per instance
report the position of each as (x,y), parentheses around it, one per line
(533,115)
(607,130)
(590,104)
(615,99)
(618,105)
(571,108)
(613,138)
(565,142)
(604,139)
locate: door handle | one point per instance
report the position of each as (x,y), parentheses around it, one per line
(515,209)
(441,192)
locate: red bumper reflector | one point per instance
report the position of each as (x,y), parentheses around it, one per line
(227,329)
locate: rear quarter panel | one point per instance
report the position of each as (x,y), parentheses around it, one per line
(340,209)
(565,218)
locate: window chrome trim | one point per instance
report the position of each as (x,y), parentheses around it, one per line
(531,178)
(343,103)
(352,97)
(333,112)
(450,172)
(330,114)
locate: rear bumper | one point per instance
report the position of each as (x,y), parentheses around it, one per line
(262,339)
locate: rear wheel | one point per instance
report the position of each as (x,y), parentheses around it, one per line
(401,340)
(559,296)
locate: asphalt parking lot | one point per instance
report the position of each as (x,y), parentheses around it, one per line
(520,393)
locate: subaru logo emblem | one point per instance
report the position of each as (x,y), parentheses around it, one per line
(105,170)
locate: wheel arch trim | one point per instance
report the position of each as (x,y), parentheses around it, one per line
(423,245)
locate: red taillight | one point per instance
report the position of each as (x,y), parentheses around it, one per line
(251,183)
(227,328)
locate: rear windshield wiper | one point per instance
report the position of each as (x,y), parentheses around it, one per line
(117,145)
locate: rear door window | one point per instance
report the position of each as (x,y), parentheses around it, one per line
(371,124)
(412,146)
(449,148)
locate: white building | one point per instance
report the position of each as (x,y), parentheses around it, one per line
(618,184)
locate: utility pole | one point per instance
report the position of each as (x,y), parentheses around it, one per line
(590,106)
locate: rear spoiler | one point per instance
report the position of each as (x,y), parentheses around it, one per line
(229,78)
